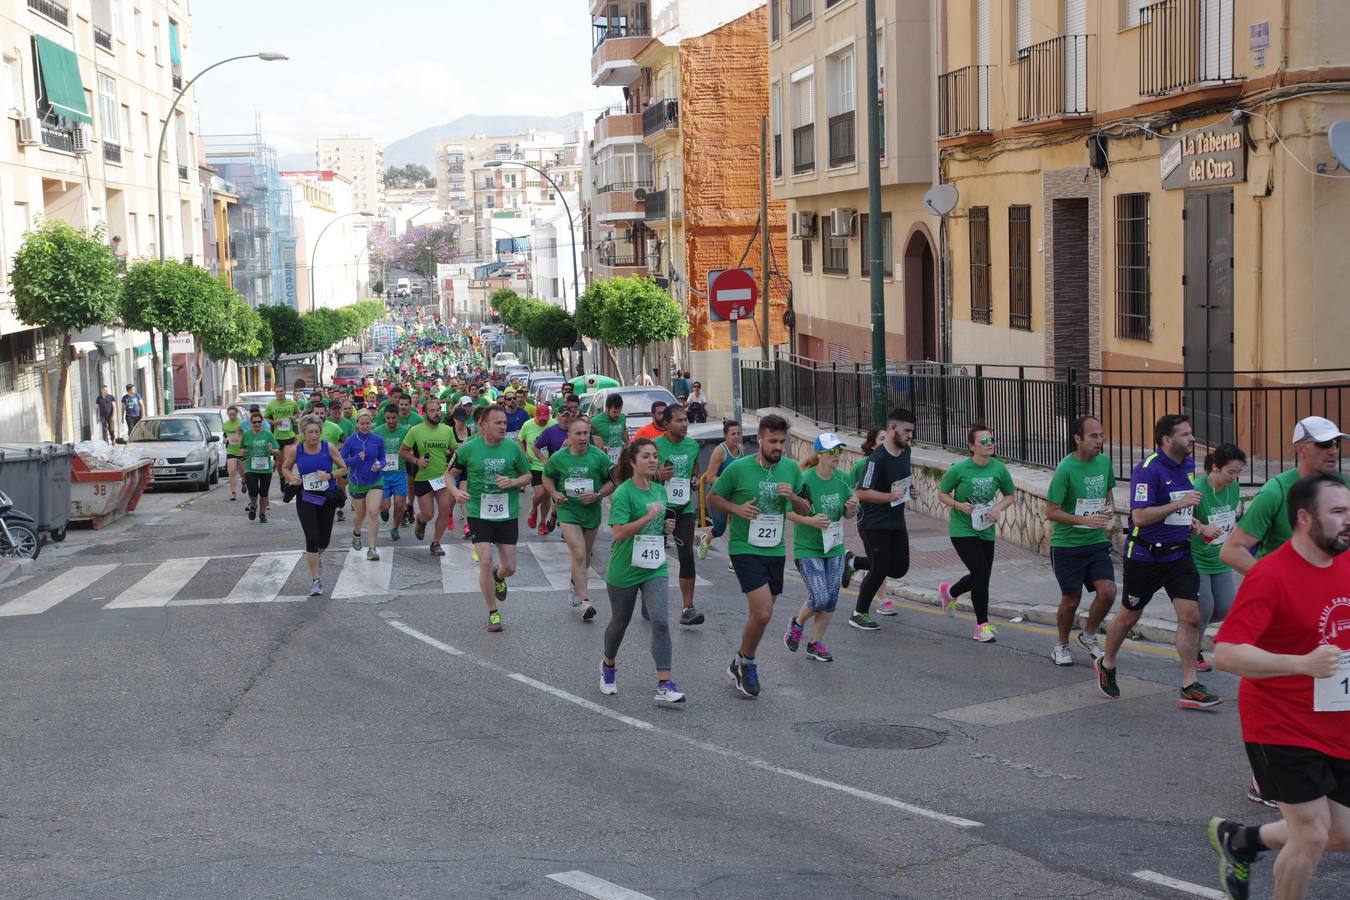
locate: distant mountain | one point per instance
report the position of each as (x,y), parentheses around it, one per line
(421,147)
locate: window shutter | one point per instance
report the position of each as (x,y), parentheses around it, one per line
(1134,10)
(1023,26)
(776,106)
(981,32)
(805,100)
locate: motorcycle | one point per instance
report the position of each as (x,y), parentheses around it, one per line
(18,532)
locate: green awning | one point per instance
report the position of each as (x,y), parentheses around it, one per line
(174,53)
(62,90)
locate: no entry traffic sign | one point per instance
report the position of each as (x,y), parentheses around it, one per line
(732,294)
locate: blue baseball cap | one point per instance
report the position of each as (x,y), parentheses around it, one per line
(827,441)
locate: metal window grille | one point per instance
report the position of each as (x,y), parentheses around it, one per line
(981,301)
(1019,267)
(1133,293)
(806,255)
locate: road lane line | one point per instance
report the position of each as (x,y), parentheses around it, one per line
(158,587)
(264,579)
(598,888)
(63,586)
(727,752)
(364,578)
(1185,887)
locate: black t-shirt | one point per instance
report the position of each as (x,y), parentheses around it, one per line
(881,472)
(106,405)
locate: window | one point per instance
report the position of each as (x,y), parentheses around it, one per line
(154,41)
(145,132)
(834,250)
(1132,280)
(776,126)
(126,126)
(865,233)
(109,110)
(981,302)
(13,85)
(1022,26)
(775,20)
(806,255)
(799,12)
(1134,11)
(803,121)
(840,93)
(1019,267)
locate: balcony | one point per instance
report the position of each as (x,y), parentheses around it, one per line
(103,38)
(617,123)
(58,138)
(619,202)
(843,139)
(57,12)
(661,205)
(1052,79)
(617,42)
(112,153)
(963,101)
(1184,45)
(660,116)
(804,149)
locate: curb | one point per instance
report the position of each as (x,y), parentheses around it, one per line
(15,568)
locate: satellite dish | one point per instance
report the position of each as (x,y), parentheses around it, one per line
(1338,136)
(940,199)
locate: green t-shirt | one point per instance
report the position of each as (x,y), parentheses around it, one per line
(256,450)
(828,496)
(1216,508)
(436,443)
(332,433)
(231,429)
(969,483)
(611,431)
(347,425)
(1267,516)
(529,433)
(393,439)
(282,412)
(1075,481)
(628,504)
(683,457)
(746,480)
(482,464)
(567,469)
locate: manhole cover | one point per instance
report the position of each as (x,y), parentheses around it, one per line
(885,737)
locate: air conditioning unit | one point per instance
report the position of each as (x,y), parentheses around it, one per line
(30,132)
(82,139)
(803,225)
(841,222)
(640,194)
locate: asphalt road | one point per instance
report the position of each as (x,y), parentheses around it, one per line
(385,745)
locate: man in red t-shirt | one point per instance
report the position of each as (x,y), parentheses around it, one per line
(1288,636)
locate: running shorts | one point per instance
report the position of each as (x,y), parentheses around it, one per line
(754,572)
(258,484)
(359,490)
(494,531)
(536,477)
(1288,774)
(1144,579)
(422,488)
(396,484)
(1079,568)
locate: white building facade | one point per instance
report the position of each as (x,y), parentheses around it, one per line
(331,240)
(360,159)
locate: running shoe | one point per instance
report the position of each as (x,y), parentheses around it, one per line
(494,621)
(1061,655)
(731,566)
(543,530)
(436,549)
(703,544)
(863,621)
(984,634)
(393,533)
(533,520)
(1201,664)
(233,497)
(1235,872)
(948,601)
(608,675)
(316,588)
(886,608)
(667,692)
(1254,795)
(1195,696)
(691,616)
(356,541)
(384,515)
(372,554)
(587,612)
(466,531)
(473,551)
(252,513)
(341,515)
(1106,680)
(816,650)
(262,518)
(499,587)
(420,530)
(793,638)
(745,676)
(1090,643)
(573,598)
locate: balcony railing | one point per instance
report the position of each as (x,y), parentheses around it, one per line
(804,149)
(182,173)
(618,262)
(799,12)
(619,109)
(604,32)
(58,138)
(645,183)
(55,11)
(1052,79)
(963,101)
(103,38)
(1184,44)
(661,205)
(843,139)
(112,153)
(662,114)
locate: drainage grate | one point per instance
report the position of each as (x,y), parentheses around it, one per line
(885,737)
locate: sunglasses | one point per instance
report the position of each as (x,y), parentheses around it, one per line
(1327,445)
(987,441)
(835,452)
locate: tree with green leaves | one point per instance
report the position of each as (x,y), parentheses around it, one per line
(639,313)
(377,287)
(64,278)
(213,318)
(591,311)
(169,297)
(287,334)
(550,328)
(239,339)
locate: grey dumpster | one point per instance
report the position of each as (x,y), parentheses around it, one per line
(36,476)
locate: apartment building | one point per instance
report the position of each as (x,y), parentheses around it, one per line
(84,88)
(323,205)
(261,228)
(360,159)
(1083,135)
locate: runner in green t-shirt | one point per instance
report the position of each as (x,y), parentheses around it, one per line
(540,504)
(577,478)
(332,431)
(429,447)
(818,543)
(496,469)
(261,453)
(637,565)
(347,420)
(281,415)
(970,490)
(233,427)
(1080,506)
(679,469)
(395,477)
(1216,517)
(756,492)
(610,428)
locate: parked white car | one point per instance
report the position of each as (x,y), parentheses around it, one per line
(213,417)
(181,447)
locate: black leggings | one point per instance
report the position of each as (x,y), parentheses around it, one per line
(258,484)
(684,543)
(317,521)
(978,555)
(888,554)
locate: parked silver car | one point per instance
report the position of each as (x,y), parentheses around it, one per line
(213,417)
(181,448)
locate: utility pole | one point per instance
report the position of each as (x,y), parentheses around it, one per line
(874,248)
(764,232)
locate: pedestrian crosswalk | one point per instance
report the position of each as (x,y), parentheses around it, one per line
(279,577)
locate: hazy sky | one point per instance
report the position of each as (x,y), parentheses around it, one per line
(387,68)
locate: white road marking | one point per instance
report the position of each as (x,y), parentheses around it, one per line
(1037,704)
(63,586)
(556,561)
(158,587)
(598,888)
(459,573)
(727,752)
(363,578)
(1185,887)
(264,579)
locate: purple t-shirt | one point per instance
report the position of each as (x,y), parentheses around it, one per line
(1157,481)
(553,438)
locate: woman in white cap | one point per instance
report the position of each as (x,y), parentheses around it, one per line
(818,543)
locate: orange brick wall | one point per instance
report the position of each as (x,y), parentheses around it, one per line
(724,92)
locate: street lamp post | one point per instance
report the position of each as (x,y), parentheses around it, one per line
(314,253)
(166,365)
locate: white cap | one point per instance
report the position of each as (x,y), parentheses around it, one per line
(827,441)
(1317,429)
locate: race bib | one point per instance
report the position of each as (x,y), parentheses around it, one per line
(766,530)
(575,487)
(284,425)
(1224,521)
(979,516)
(1332,694)
(311,481)
(614,454)
(235,437)
(493,507)
(832,536)
(1181,516)
(261,463)
(649,551)
(391,460)
(903,484)
(1084,507)
(677,491)
(437,484)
